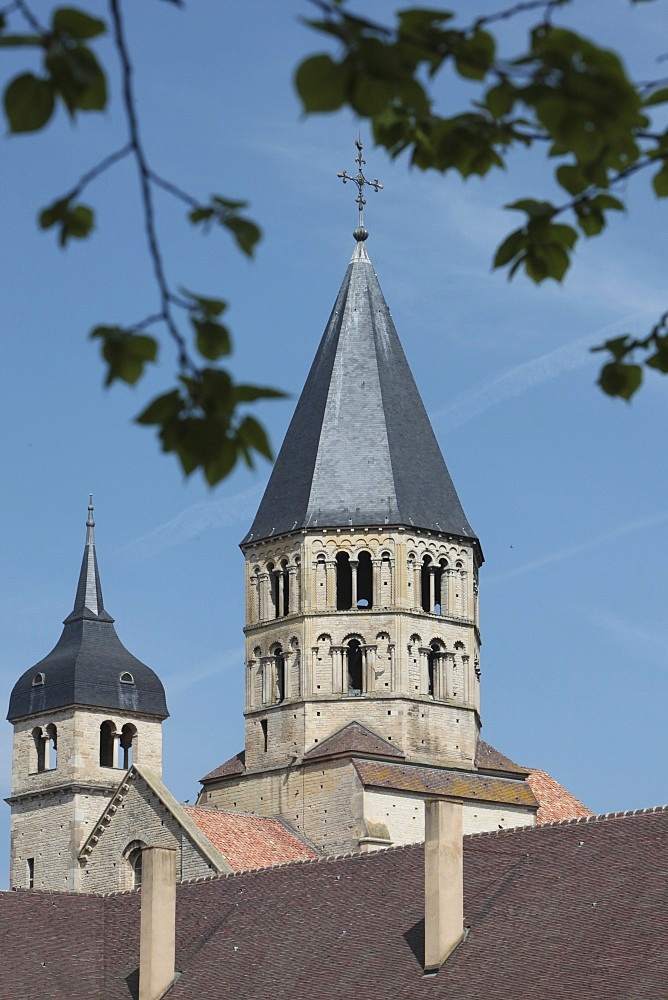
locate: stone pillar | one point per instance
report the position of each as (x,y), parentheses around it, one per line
(308,682)
(354,563)
(450,583)
(443,597)
(449,678)
(369,653)
(330,589)
(263,596)
(466,680)
(432,589)
(293,596)
(249,684)
(376,584)
(394,679)
(443,881)
(423,653)
(464,594)
(157,935)
(476,609)
(278,577)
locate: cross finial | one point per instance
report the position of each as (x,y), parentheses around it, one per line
(360,180)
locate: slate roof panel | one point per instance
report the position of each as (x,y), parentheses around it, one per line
(367,451)
(353,738)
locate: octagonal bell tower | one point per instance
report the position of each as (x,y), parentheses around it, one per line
(81,716)
(361,567)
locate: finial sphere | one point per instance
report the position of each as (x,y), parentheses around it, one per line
(361,234)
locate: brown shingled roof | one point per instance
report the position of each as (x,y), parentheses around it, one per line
(436,781)
(354,738)
(235,765)
(488,758)
(555,803)
(564,911)
(247,841)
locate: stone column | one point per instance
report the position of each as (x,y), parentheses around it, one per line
(369,653)
(264,601)
(157,934)
(444,592)
(450,574)
(354,563)
(476,609)
(423,653)
(449,679)
(466,680)
(308,682)
(464,594)
(249,684)
(330,589)
(376,583)
(278,585)
(293,596)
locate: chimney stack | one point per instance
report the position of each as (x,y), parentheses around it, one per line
(157,939)
(443,881)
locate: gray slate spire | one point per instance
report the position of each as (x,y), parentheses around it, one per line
(360,449)
(85,666)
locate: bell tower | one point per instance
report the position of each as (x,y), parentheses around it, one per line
(81,716)
(361,567)
(362,633)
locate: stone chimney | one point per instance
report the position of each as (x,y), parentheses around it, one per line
(157,939)
(443,881)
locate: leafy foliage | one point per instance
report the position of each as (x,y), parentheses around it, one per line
(564,93)
(202,421)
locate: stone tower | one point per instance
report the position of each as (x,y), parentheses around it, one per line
(80,716)
(362,636)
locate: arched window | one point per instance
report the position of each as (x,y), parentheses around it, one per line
(433,656)
(355,672)
(279,660)
(127,678)
(285,585)
(38,679)
(364,581)
(39,756)
(107,736)
(51,748)
(344,582)
(126,745)
(133,858)
(430,580)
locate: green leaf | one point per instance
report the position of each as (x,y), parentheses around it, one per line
(253,434)
(658,97)
(534,209)
(660,182)
(617,379)
(77,23)
(28,103)
(75,222)
(320,83)
(245,232)
(161,409)
(475,55)
(213,339)
(660,359)
(251,393)
(126,353)
(511,246)
(208,306)
(572,178)
(501,98)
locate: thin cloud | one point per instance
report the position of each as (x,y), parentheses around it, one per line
(653,644)
(222,663)
(573,550)
(518,380)
(193,520)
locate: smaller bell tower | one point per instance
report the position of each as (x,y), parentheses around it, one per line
(81,716)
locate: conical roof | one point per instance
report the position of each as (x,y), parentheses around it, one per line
(87,663)
(360,449)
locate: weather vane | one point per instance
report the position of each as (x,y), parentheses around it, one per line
(360,233)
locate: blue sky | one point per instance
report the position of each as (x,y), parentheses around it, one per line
(565,488)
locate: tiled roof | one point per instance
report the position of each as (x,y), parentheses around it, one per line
(438,781)
(565,911)
(235,765)
(488,758)
(354,738)
(366,451)
(555,803)
(248,841)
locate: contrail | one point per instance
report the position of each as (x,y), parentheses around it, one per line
(231,659)
(518,380)
(572,550)
(194,519)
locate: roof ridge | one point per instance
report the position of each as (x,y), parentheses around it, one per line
(594,817)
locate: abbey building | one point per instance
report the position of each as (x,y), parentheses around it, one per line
(362,670)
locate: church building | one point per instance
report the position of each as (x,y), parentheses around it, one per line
(362,670)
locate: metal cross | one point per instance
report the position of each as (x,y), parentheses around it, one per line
(361,182)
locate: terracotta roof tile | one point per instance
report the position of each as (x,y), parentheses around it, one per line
(354,738)
(247,841)
(436,781)
(555,803)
